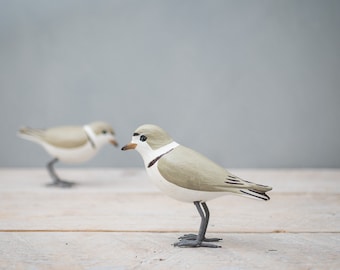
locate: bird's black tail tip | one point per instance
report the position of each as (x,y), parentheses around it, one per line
(256,194)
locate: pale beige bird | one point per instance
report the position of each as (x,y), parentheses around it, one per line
(188,176)
(70,144)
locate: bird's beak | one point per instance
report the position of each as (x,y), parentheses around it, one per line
(129,146)
(114,142)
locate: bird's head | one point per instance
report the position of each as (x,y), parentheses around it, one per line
(148,138)
(104,133)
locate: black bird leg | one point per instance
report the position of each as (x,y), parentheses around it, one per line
(193,240)
(56,180)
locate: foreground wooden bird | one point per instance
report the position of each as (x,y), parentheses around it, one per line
(188,176)
(70,144)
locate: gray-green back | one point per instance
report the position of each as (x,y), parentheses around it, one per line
(65,137)
(189,169)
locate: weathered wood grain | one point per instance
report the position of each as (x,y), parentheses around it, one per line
(155,251)
(153,212)
(116,219)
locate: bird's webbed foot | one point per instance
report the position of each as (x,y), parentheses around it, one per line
(61,183)
(194,237)
(194,243)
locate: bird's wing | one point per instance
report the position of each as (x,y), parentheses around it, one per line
(65,137)
(31,134)
(188,169)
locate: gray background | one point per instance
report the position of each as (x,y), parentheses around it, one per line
(248,83)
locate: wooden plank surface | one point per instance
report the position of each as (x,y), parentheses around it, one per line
(154,251)
(116,219)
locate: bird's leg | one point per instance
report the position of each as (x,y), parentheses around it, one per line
(207,215)
(194,236)
(192,240)
(56,180)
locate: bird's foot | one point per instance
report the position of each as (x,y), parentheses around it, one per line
(194,237)
(61,183)
(194,243)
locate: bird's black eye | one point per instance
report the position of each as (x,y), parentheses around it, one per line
(143,138)
(104,131)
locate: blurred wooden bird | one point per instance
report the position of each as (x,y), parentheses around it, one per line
(70,144)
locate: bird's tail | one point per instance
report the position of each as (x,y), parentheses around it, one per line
(256,191)
(31,134)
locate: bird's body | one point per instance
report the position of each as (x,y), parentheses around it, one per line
(178,191)
(186,175)
(70,144)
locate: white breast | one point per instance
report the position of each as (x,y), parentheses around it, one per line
(71,155)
